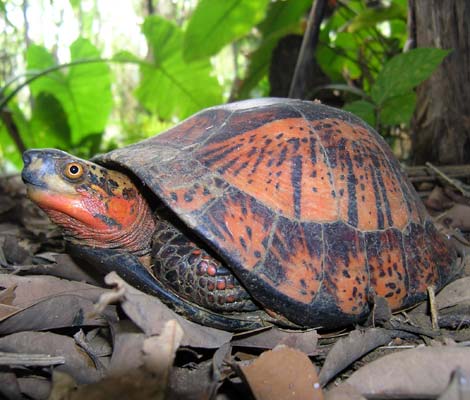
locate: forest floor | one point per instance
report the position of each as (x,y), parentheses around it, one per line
(66,334)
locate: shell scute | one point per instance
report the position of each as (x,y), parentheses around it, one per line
(387,265)
(242,224)
(294,260)
(346,276)
(270,164)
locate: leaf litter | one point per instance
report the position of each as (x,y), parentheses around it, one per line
(67,333)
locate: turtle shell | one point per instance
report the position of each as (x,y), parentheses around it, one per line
(304,202)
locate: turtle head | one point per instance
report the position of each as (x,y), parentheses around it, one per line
(95,206)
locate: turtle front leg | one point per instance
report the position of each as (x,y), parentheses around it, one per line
(193,274)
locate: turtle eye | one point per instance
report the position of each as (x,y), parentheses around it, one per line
(73,170)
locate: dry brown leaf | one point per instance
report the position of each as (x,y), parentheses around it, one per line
(129,381)
(343,392)
(457,217)
(412,373)
(77,363)
(7,311)
(9,386)
(32,289)
(63,386)
(60,265)
(150,314)
(283,373)
(7,296)
(127,348)
(438,200)
(456,292)
(35,387)
(192,383)
(348,349)
(159,351)
(305,341)
(57,311)
(136,385)
(459,387)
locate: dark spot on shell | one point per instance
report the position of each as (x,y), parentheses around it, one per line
(188,197)
(128,193)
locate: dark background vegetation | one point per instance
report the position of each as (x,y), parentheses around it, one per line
(88,88)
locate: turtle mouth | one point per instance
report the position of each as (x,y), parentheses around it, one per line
(33,174)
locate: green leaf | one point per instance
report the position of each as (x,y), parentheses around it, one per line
(170,87)
(282,14)
(398,110)
(258,67)
(126,56)
(84,91)
(363,109)
(216,23)
(9,154)
(49,123)
(406,71)
(282,18)
(370,17)
(10,158)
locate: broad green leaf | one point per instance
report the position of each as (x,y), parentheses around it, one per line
(10,157)
(258,66)
(398,110)
(84,90)
(330,61)
(75,4)
(49,123)
(282,18)
(163,37)
(216,23)
(282,14)
(363,109)
(406,71)
(9,153)
(370,17)
(170,87)
(126,56)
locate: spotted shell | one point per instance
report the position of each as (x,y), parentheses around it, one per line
(304,202)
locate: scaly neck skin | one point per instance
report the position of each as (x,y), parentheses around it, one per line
(105,232)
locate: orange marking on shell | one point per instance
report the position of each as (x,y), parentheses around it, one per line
(262,165)
(354,154)
(387,269)
(347,278)
(421,260)
(188,199)
(300,267)
(244,226)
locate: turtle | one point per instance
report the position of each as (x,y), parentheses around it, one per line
(257,212)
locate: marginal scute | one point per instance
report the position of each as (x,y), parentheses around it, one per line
(294,262)
(304,203)
(346,276)
(387,265)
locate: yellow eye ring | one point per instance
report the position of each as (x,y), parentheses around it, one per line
(73,170)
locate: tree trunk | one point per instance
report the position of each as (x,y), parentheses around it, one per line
(441,124)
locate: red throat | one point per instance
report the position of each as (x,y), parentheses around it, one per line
(100,220)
